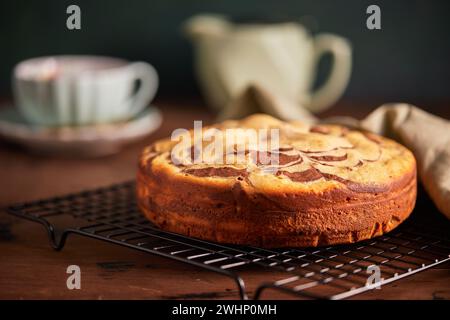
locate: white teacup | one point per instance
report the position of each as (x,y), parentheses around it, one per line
(79,90)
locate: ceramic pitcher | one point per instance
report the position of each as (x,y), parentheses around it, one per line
(281,57)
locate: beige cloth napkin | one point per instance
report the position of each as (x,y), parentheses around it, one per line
(426,135)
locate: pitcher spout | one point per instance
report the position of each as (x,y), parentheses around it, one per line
(204,25)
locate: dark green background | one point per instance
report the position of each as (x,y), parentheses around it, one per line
(407,60)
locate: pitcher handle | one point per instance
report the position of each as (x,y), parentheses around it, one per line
(339,76)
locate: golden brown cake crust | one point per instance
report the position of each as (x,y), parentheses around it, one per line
(332,185)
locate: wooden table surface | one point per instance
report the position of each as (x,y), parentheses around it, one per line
(30,269)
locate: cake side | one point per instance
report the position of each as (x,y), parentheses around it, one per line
(230,210)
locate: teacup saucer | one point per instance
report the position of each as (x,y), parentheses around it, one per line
(84,141)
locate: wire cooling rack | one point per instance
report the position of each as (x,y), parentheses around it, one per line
(335,272)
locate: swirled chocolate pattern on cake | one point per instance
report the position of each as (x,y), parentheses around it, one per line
(305,154)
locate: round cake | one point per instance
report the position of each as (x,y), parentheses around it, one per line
(299,186)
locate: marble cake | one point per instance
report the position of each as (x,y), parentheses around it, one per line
(329,185)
